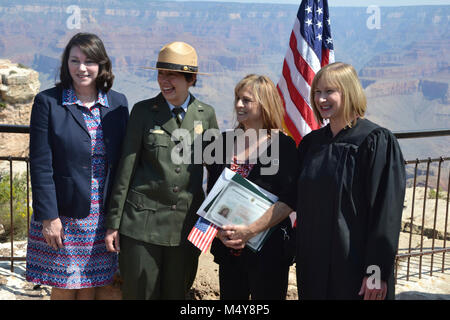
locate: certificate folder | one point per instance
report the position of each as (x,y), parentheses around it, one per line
(236,200)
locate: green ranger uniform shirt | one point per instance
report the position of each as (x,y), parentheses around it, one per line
(154,199)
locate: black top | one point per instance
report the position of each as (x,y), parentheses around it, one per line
(282,184)
(350,200)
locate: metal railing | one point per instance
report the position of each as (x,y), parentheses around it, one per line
(427,228)
(23,130)
(404,255)
(12,258)
(406,258)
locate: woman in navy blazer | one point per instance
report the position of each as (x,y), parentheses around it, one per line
(76,133)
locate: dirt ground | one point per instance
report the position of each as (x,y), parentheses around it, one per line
(206,284)
(414,282)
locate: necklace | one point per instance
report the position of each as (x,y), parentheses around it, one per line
(86,99)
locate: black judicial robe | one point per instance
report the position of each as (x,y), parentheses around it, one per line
(350,199)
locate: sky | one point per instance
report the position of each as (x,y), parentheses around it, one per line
(351,3)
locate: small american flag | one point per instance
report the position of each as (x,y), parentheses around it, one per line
(310,48)
(202,234)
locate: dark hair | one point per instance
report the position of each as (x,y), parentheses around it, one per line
(189,77)
(92,46)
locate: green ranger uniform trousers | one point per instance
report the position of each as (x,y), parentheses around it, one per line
(156,272)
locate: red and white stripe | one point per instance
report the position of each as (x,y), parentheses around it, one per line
(203,240)
(299,68)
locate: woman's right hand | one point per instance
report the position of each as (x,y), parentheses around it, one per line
(224,236)
(112,240)
(53,232)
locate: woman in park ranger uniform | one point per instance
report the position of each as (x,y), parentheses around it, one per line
(154,200)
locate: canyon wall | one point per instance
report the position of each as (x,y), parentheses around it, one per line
(18,86)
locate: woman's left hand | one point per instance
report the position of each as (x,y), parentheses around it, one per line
(373,294)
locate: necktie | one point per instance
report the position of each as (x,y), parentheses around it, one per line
(178,111)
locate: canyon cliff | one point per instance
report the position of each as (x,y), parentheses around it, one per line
(403,64)
(18,87)
(422,67)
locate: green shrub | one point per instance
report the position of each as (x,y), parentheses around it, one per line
(19,194)
(20,65)
(432,194)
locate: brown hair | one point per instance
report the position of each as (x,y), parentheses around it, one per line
(267,96)
(344,77)
(190,77)
(92,46)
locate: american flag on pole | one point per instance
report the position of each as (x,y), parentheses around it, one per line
(202,234)
(310,48)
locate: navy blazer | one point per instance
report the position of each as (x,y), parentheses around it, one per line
(60,153)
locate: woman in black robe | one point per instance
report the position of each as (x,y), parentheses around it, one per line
(350,196)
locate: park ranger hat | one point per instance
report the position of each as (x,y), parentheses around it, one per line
(177,56)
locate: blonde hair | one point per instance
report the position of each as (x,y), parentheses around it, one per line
(267,96)
(344,77)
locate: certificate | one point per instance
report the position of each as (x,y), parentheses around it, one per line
(236,205)
(237,201)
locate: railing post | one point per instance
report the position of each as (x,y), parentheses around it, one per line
(412,218)
(423,216)
(435,213)
(446,221)
(11,211)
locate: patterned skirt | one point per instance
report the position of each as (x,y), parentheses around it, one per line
(84,261)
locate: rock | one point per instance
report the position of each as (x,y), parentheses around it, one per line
(18,87)
(428,218)
(6,295)
(382,88)
(427,288)
(2,229)
(19,84)
(398,73)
